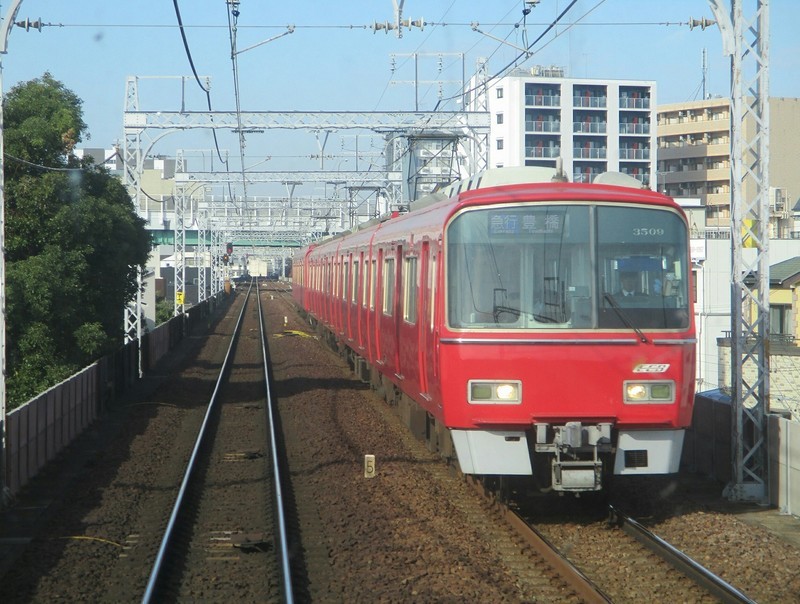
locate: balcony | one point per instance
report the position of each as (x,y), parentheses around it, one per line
(585,176)
(643,177)
(542,126)
(598,153)
(589,127)
(542,152)
(677,151)
(688,174)
(543,100)
(629,103)
(630,128)
(627,153)
(600,102)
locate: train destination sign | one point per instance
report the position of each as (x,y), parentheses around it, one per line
(515,223)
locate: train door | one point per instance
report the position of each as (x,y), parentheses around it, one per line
(388,311)
(370,323)
(378,295)
(397,312)
(359,299)
(423,317)
(408,336)
(327,291)
(344,271)
(350,296)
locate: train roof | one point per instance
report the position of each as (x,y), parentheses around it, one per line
(513,178)
(496,177)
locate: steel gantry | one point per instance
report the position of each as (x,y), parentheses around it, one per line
(746,40)
(471,127)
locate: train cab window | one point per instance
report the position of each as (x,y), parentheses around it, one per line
(643,266)
(560,266)
(410,289)
(518,268)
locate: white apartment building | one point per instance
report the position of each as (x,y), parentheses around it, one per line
(593,125)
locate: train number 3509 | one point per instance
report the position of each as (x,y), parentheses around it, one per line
(648,232)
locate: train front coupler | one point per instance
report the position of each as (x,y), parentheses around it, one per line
(574,450)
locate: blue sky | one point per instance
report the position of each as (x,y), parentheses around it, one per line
(334,61)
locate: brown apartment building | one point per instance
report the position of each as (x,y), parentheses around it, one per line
(694,160)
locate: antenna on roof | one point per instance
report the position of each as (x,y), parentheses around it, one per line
(559,176)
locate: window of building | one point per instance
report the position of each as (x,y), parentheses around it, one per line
(499,93)
(499,118)
(780,319)
(499,144)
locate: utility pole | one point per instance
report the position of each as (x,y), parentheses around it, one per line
(4,31)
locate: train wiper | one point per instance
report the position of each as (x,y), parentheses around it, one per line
(621,314)
(498,310)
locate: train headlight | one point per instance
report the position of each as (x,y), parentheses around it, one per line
(495,392)
(649,392)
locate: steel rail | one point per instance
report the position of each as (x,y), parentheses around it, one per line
(284,546)
(188,475)
(584,587)
(715,585)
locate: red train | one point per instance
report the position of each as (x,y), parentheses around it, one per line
(493,314)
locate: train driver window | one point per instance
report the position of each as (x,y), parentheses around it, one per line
(516,268)
(642,252)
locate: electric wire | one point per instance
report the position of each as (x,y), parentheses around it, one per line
(526,53)
(233,19)
(519,56)
(197,77)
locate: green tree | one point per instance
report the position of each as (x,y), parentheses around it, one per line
(73,242)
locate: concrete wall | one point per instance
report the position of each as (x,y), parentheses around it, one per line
(784,464)
(707,449)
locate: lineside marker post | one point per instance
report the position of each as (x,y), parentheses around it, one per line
(369,466)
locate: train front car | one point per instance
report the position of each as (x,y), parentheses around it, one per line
(568,346)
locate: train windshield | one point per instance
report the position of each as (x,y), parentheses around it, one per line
(567,267)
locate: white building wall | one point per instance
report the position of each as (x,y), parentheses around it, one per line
(713,307)
(512,105)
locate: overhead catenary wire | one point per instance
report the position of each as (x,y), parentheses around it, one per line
(197,77)
(526,53)
(233,19)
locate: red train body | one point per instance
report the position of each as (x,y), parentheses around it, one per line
(496,309)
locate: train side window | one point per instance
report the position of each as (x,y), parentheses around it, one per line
(432,286)
(388,286)
(335,277)
(373,283)
(410,289)
(354,296)
(345,285)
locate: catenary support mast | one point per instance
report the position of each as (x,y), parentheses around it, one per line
(746,39)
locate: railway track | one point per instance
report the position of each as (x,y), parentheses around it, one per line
(617,559)
(712,583)
(412,532)
(228,513)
